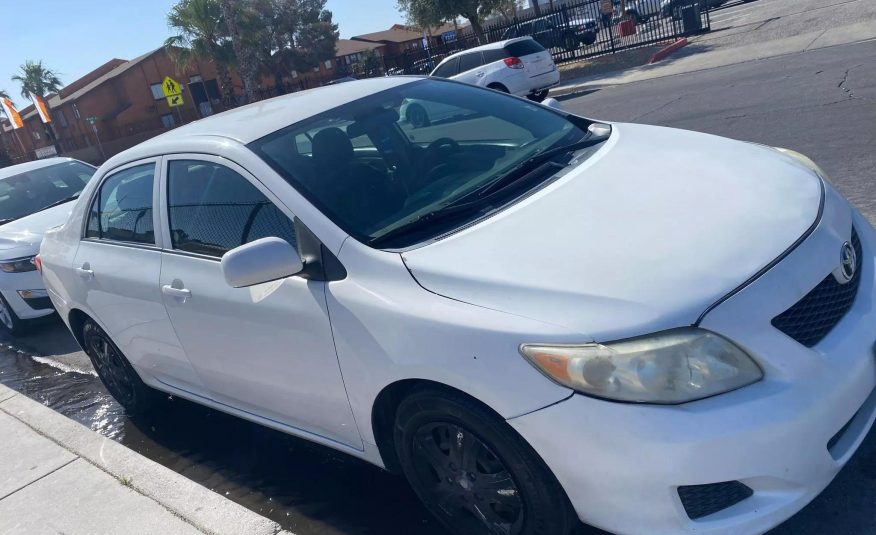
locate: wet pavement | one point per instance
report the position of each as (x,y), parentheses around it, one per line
(307,488)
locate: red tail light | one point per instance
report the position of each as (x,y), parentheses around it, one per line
(38,262)
(514,63)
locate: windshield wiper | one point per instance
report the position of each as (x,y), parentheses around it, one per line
(59,202)
(525,168)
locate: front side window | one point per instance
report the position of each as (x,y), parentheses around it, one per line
(213,209)
(403,155)
(447,69)
(470,61)
(33,191)
(122,208)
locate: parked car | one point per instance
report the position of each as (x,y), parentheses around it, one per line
(519,66)
(672,8)
(642,10)
(533,316)
(34,196)
(551,32)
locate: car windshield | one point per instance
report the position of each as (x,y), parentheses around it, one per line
(32,191)
(379,163)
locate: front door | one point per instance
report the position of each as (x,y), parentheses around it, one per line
(268,349)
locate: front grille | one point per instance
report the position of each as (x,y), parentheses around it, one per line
(704,500)
(812,317)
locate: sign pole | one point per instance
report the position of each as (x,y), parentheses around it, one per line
(20,144)
(97,137)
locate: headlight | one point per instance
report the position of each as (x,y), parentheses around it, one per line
(668,368)
(805,160)
(18,265)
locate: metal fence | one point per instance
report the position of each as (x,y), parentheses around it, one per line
(574,31)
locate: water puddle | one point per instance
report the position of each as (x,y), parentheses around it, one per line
(308,489)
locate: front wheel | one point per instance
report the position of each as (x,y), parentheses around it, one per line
(9,320)
(473,471)
(115,372)
(570,43)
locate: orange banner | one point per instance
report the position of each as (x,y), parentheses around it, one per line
(11,113)
(40,104)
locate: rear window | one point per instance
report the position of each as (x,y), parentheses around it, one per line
(524,48)
(497,54)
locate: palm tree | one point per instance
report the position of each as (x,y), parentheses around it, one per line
(37,79)
(3,94)
(201,36)
(247,63)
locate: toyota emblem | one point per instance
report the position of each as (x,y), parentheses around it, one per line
(848,263)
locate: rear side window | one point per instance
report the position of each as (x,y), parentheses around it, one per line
(523,48)
(448,69)
(496,54)
(470,61)
(122,209)
(213,209)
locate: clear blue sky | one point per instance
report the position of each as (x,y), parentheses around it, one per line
(75,36)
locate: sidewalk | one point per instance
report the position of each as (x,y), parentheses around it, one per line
(57,476)
(700,55)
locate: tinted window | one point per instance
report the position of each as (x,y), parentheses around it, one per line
(497,54)
(447,69)
(470,61)
(524,48)
(213,209)
(122,209)
(32,191)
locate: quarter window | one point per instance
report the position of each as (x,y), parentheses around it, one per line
(122,209)
(213,209)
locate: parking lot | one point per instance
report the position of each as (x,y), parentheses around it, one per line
(821,103)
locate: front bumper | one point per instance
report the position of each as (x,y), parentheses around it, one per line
(11,283)
(785,437)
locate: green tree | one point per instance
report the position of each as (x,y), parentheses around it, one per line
(36,79)
(201,36)
(426,13)
(291,35)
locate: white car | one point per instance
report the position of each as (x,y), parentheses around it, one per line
(518,66)
(534,317)
(34,197)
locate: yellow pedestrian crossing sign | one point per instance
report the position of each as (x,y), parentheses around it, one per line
(174,100)
(170,87)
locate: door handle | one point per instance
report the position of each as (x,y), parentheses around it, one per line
(85,271)
(181,293)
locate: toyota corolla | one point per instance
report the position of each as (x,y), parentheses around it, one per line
(535,317)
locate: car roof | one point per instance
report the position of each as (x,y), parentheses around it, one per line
(490,46)
(13,170)
(253,121)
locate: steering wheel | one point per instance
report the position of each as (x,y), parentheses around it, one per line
(437,154)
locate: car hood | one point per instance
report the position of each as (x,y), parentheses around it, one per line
(22,237)
(643,236)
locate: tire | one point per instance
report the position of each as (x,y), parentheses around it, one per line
(538,97)
(417,116)
(589,39)
(116,373)
(9,320)
(498,87)
(634,16)
(570,42)
(463,461)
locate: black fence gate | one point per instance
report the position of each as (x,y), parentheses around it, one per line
(574,30)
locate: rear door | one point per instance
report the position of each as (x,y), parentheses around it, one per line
(536,60)
(470,68)
(118,262)
(265,350)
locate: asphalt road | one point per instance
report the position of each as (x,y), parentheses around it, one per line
(820,103)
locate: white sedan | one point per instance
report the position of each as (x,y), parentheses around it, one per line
(34,197)
(536,318)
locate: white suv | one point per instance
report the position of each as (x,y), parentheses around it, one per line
(518,66)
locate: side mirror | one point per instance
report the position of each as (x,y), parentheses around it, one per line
(264,260)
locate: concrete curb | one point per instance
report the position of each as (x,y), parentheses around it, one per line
(666,51)
(197,505)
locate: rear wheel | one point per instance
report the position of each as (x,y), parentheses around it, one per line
(498,87)
(538,97)
(116,373)
(417,116)
(473,472)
